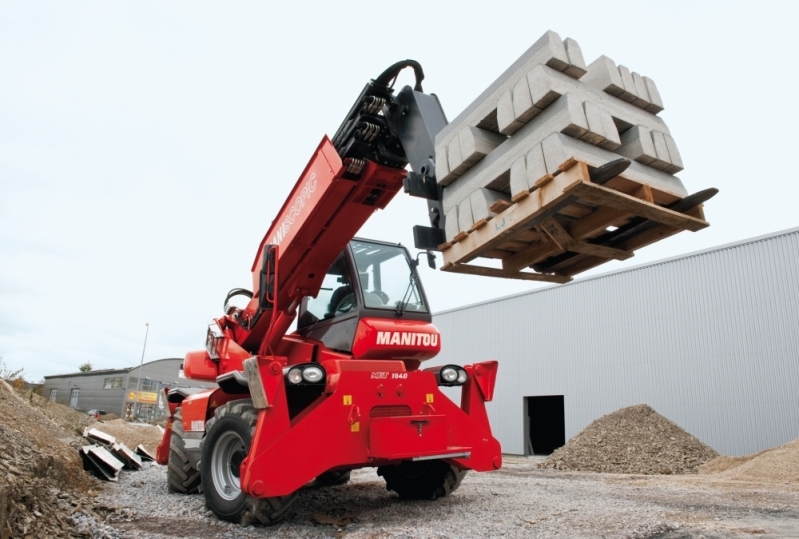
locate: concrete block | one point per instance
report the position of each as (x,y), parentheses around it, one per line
(674,154)
(518,180)
(442,166)
(655,102)
(523,102)
(628,84)
(662,161)
(603,74)
(476,143)
(547,85)
(451,223)
(481,201)
(636,144)
(609,129)
(555,154)
(558,57)
(577,66)
(641,91)
(536,167)
(566,115)
(570,148)
(549,50)
(465,218)
(455,158)
(506,116)
(596,127)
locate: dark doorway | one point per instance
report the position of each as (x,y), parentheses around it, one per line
(545,425)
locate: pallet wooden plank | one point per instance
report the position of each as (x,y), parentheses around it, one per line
(495,272)
(546,199)
(600,195)
(598,221)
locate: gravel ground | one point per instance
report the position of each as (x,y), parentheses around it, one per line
(517,501)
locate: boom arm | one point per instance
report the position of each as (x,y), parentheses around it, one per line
(346,180)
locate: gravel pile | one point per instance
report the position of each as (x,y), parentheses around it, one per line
(43,489)
(778,465)
(632,440)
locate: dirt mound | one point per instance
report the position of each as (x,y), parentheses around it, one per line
(632,440)
(42,483)
(778,465)
(65,417)
(132,434)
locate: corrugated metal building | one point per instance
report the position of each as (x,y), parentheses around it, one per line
(710,340)
(114,390)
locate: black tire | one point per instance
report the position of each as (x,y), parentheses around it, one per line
(332,479)
(228,437)
(422,480)
(181,476)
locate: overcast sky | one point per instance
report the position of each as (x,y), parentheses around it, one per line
(145,147)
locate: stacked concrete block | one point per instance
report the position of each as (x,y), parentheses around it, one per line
(543,114)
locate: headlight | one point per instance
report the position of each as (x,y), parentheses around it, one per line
(307,373)
(294,376)
(450,375)
(312,374)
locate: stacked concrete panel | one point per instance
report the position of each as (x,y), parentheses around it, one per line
(506,140)
(544,114)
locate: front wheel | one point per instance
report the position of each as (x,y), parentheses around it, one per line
(228,439)
(422,480)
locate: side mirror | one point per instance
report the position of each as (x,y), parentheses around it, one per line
(431,259)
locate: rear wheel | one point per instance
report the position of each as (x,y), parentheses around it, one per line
(181,476)
(422,480)
(227,442)
(331,479)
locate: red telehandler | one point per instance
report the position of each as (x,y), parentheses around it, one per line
(347,389)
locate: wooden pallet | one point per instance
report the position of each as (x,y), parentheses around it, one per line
(570,224)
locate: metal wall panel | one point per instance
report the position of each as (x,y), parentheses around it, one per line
(710,340)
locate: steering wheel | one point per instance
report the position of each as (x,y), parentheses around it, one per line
(346,304)
(382,295)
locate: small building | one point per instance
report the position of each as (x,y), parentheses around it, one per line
(709,339)
(118,391)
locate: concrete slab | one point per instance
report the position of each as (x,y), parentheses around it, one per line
(451,223)
(603,75)
(674,153)
(577,67)
(482,199)
(523,102)
(596,127)
(655,101)
(640,91)
(465,218)
(476,143)
(628,84)
(536,167)
(636,144)
(518,179)
(662,160)
(442,167)
(609,129)
(455,158)
(506,115)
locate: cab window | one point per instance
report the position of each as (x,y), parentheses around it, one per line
(335,298)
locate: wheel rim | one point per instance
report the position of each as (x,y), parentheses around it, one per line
(226,458)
